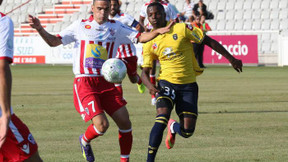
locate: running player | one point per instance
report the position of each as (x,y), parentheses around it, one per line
(127,52)
(16,141)
(97,39)
(177,80)
(170,16)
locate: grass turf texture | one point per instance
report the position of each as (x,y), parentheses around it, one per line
(242,117)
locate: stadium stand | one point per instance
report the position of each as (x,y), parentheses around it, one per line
(262,17)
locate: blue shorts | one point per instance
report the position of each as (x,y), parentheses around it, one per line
(183,96)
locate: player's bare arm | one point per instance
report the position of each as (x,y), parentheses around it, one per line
(5,98)
(140,28)
(50,39)
(236,64)
(145,37)
(146,81)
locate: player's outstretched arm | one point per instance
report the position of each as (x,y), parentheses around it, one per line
(145,37)
(216,46)
(146,81)
(50,39)
(5,98)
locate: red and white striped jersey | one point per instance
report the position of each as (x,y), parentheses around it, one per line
(170,13)
(128,49)
(6,38)
(95,43)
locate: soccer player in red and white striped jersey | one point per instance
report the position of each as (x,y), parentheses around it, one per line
(16,141)
(127,52)
(97,39)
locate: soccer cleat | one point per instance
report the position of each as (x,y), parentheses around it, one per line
(141,88)
(153,101)
(86,151)
(170,138)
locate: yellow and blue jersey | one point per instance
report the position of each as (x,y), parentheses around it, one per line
(175,54)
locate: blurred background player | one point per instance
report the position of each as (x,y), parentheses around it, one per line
(127,52)
(199,22)
(16,141)
(97,39)
(177,84)
(188,10)
(170,15)
(200,9)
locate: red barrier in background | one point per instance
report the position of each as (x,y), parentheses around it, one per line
(244,47)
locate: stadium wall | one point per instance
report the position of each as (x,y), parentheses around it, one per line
(34,50)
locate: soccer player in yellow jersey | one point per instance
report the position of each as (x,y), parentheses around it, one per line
(177,79)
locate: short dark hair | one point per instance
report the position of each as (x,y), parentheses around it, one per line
(158,5)
(100,0)
(116,1)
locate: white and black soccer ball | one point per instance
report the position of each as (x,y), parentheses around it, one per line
(114,70)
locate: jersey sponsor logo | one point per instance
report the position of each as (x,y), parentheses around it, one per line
(26,148)
(175,36)
(95,56)
(154,46)
(168,52)
(88,26)
(31,139)
(189,26)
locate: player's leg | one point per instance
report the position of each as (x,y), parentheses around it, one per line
(153,81)
(88,103)
(19,144)
(34,158)
(121,118)
(187,110)
(164,105)
(114,105)
(200,55)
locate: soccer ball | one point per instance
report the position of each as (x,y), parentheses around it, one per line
(114,70)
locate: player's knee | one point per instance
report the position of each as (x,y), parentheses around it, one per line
(102,127)
(188,132)
(164,102)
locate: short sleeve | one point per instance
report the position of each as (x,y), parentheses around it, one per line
(126,32)
(130,21)
(193,33)
(148,55)
(68,35)
(6,39)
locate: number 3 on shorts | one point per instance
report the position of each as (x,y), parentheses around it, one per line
(169,92)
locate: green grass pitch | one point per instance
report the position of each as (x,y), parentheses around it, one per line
(242,117)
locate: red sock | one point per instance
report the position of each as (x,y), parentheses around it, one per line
(91,133)
(153,81)
(125,142)
(139,79)
(119,88)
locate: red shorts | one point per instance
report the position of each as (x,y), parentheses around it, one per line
(131,64)
(19,144)
(94,95)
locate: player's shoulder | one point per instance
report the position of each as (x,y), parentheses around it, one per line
(5,21)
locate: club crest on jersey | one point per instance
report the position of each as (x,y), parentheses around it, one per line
(175,36)
(189,26)
(154,46)
(112,31)
(88,26)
